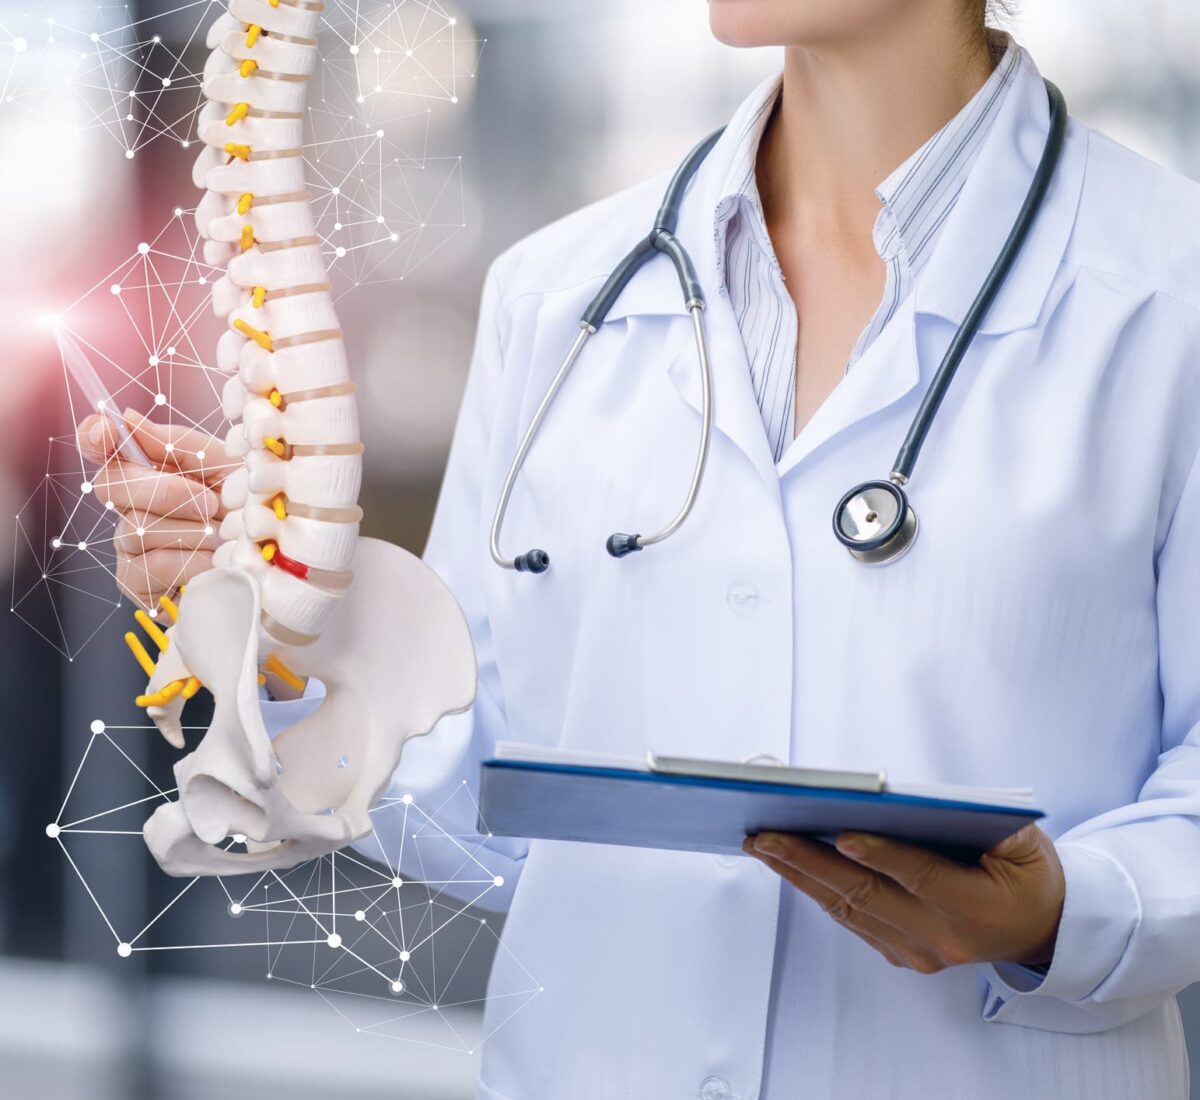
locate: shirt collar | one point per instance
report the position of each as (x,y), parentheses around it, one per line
(917,195)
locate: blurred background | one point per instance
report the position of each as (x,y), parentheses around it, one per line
(442,134)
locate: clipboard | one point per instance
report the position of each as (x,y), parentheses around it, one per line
(681,804)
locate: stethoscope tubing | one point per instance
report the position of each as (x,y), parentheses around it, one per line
(877,548)
(910,449)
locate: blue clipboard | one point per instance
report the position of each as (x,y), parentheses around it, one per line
(711,813)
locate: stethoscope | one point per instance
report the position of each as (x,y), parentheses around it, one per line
(874,521)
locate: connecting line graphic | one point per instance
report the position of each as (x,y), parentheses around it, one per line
(393,950)
(385,933)
(140,79)
(385,207)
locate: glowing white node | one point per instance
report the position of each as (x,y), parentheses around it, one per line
(208,529)
(56,543)
(335,190)
(159,398)
(124,950)
(405,956)
(97,726)
(397,882)
(95,37)
(141,532)
(334,940)
(379,133)
(339,252)
(202,280)
(166,81)
(453,21)
(408,53)
(86,487)
(129,154)
(156,39)
(360,99)
(129,117)
(20,45)
(378,50)
(115,288)
(395,236)
(407,799)
(110,505)
(168,447)
(171,349)
(378,87)
(82,545)
(185,144)
(397,987)
(153,360)
(52,830)
(359,915)
(235,910)
(200,456)
(354,49)
(379,219)
(337,226)
(498,880)
(454,99)
(144,248)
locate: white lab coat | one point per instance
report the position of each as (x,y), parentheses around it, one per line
(1044,630)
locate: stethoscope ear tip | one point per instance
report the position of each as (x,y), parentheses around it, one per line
(535,561)
(619,545)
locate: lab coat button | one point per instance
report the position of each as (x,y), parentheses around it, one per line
(742,598)
(715,1088)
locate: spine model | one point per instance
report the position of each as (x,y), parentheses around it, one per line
(292,517)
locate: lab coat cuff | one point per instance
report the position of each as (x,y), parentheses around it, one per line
(1100,914)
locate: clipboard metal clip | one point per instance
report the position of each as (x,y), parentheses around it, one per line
(826,779)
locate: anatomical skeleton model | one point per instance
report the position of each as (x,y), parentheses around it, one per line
(294,590)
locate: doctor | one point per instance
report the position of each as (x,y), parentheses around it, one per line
(1043,629)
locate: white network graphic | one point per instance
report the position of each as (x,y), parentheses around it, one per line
(389,954)
(383,208)
(394,956)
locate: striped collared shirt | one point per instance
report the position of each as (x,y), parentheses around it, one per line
(917,198)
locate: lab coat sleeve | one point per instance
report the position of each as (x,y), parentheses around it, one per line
(441,770)
(1130,930)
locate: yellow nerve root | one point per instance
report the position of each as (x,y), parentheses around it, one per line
(244,204)
(262,339)
(151,628)
(284,673)
(249,65)
(139,653)
(252,33)
(258,297)
(239,112)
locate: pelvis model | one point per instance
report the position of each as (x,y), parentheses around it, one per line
(294,593)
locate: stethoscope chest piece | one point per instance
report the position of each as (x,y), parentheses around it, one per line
(875,522)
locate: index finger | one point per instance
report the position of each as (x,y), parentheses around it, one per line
(176,448)
(921,872)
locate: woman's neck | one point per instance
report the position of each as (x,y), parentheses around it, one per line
(851,112)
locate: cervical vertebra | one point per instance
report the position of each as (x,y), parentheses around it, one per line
(291,530)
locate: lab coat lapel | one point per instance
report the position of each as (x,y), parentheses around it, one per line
(889,370)
(735,411)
